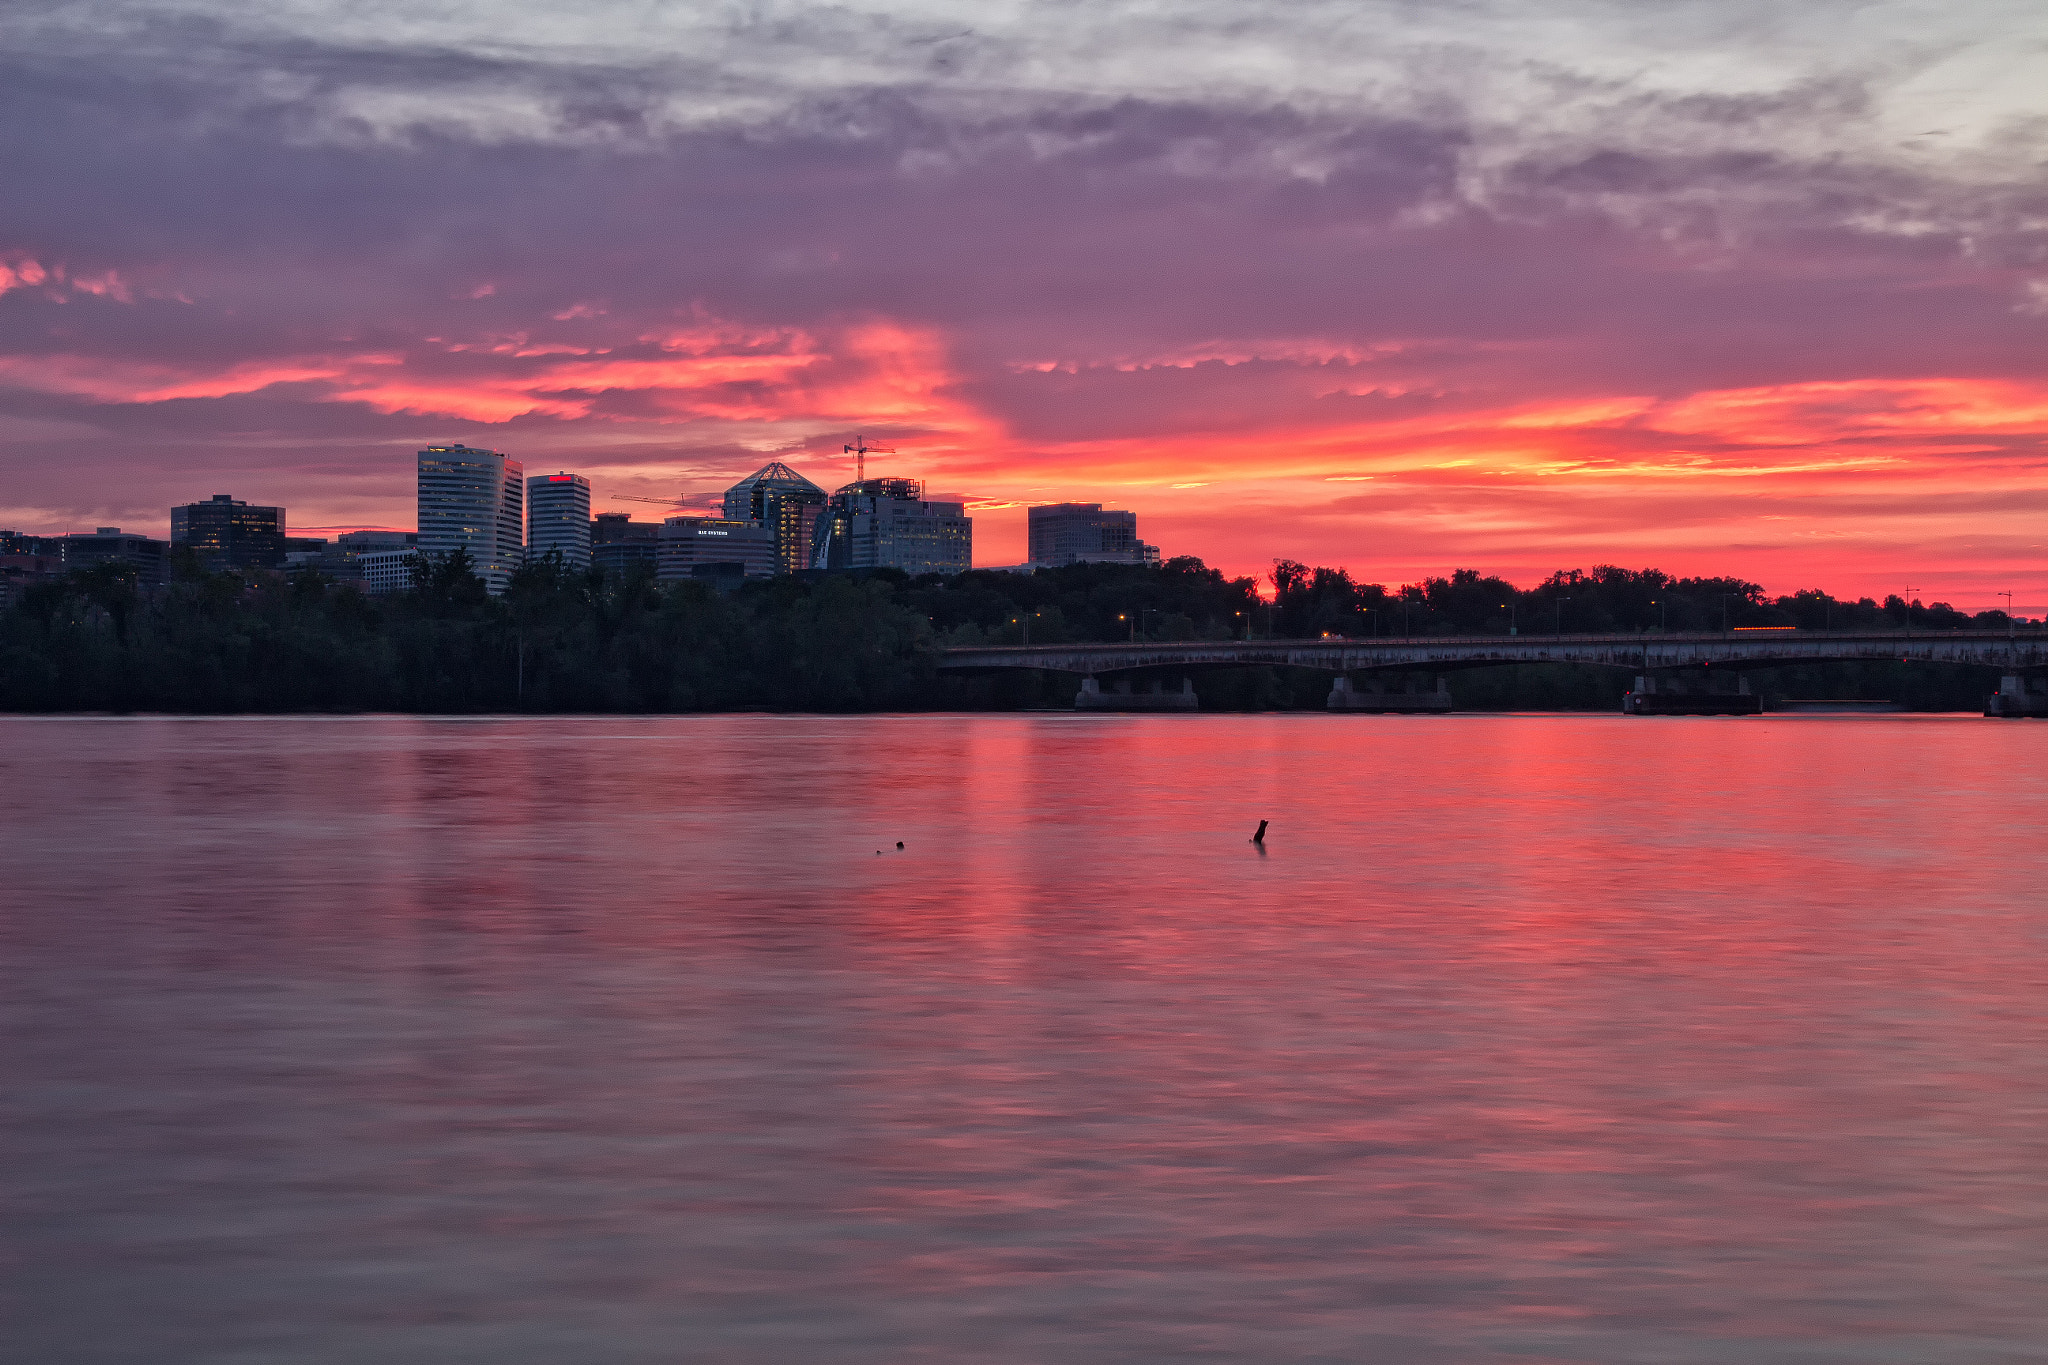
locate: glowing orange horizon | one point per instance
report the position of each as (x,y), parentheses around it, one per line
(1861,486)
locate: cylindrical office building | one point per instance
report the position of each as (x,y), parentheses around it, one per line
(474,500)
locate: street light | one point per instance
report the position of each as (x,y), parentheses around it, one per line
(1137,620)
(1511,618)
(2011,632)
(1558,629)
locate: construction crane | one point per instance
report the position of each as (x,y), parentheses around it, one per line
(860,450)
(678,503)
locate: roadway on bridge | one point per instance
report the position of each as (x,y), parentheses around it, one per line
(2012,651)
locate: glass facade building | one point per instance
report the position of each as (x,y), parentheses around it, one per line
(474,500)
(887,524)
(227,534)
(786,503)
(1084,533)
(558,517)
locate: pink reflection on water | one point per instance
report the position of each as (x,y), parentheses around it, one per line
(1573,1038)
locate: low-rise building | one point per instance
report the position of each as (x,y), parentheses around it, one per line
(688,543)
(15,543)
(343,561)
(618,544)
(381,572)
(20,572)
(110,544)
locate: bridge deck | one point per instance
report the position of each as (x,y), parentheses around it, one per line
(1445,653)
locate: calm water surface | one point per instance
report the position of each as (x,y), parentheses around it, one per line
(566,1041)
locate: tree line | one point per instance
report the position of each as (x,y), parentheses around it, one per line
(570,640)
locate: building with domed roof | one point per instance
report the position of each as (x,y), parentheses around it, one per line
(786,503)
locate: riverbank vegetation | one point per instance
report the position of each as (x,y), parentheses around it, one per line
(570,641)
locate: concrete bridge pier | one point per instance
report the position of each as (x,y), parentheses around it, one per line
(1667,695)
(1374,697)
(1124,696)
(2018,695)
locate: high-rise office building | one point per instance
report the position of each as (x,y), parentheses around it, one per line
(786,503)
(691,543)
(1083,533)
(558,517)
(474,500)
(887,524)
(227,534)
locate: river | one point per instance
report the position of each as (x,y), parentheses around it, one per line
(544,1041)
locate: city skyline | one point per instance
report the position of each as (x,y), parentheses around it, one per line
(1737,289)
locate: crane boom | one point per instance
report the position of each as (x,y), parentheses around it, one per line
(859,450)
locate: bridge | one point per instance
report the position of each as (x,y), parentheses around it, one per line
(1681,662)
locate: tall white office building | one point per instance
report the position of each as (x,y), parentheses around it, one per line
(474,500)
(558,517)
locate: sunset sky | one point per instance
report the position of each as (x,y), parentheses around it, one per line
(1515,285)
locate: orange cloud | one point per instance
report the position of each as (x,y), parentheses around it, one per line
(106,381)
(1839,483)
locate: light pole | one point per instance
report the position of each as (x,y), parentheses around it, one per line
(2011,632)
(1663,615)
(1906,605)
(1511,618)
(1558,629)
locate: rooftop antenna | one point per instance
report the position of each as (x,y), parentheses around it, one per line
(859,450)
